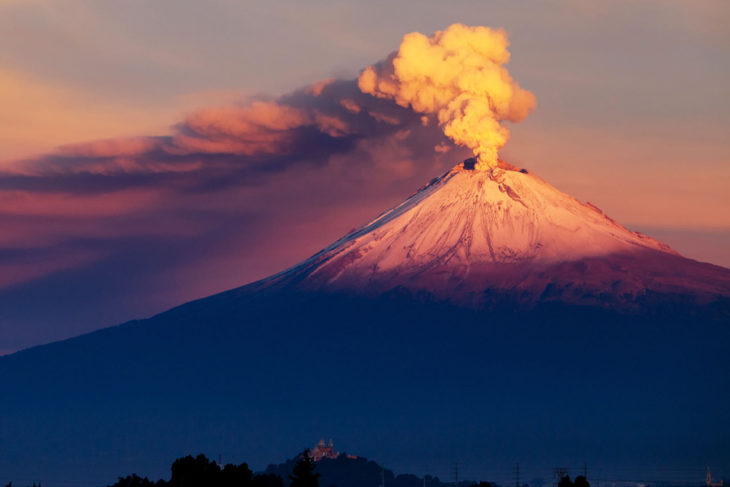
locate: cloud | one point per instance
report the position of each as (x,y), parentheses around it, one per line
(74,210)
(237,144)
(258,128)
(454,78)
(109,148)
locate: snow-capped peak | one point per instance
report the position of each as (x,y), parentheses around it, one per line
(500,229)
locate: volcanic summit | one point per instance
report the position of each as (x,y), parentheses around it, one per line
(473,236)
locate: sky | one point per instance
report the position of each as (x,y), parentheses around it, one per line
(156,152)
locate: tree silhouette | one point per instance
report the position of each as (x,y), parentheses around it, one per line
(194,472)
(303,473)
(133,480)
(198,471)
(235,476)
(267,480)
(565,482)
(580,481)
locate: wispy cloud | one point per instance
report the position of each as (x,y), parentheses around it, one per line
(166,217)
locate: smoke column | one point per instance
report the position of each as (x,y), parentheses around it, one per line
(459,75)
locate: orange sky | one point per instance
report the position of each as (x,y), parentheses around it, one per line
(648,83)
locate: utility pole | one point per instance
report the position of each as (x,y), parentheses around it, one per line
(517,474)
(585,470)
(456,474)
(382,476)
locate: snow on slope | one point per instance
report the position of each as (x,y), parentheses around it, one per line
(471,232)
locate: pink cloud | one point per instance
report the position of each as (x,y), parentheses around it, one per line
(130,146)
(193,206)
(257,128)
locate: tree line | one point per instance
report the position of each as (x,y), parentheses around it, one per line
(199,471)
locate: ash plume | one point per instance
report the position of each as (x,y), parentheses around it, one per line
(457,74)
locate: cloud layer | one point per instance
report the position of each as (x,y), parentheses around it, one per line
(234,144)
(165,218)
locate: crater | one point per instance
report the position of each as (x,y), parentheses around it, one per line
(470,164)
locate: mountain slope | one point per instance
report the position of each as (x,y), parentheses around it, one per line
(470,235)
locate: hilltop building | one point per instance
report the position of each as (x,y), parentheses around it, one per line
(708,479)
(322,450)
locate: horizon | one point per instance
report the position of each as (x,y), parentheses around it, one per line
(443,470)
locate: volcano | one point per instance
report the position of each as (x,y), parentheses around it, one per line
(489,312)
(480,237)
